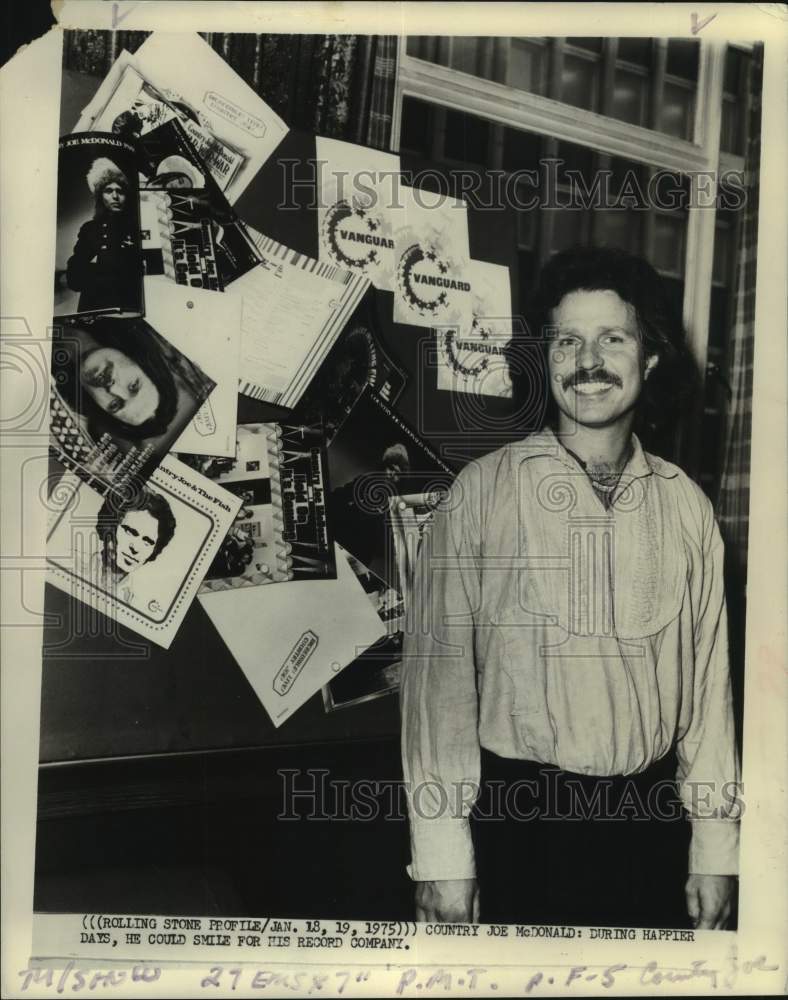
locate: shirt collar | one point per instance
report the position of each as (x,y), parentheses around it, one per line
(545,443)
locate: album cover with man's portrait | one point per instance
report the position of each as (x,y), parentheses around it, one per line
(98,256)
(120,396)
(139,558)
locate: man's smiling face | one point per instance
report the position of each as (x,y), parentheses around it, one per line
(596,361)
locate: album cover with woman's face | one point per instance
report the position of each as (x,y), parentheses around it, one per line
(98,255)
(120,397)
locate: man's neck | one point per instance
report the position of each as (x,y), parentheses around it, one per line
(112,575)
(604,451)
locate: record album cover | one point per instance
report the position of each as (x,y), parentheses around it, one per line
(281,531)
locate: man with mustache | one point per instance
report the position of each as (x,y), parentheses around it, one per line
(569,662)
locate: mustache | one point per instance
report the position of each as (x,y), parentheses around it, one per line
(582,376)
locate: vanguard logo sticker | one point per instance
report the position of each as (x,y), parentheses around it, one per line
(425,281)
(355,236)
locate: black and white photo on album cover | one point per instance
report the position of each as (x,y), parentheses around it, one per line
(168,162)
(120,396)
(98,258)
(138,558)
(377,462)
(133,106)
(358,359)
(281,533)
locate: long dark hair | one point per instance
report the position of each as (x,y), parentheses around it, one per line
(113,511)
(671,383)
(134,339)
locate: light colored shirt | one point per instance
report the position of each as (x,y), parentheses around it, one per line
(546,627)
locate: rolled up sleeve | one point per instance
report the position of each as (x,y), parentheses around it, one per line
(439,700)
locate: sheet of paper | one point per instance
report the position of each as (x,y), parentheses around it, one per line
(187,66)
(432,255)
(473,359)
(294,308)
(359,208)
(291,640)
(207,328)
(138,561)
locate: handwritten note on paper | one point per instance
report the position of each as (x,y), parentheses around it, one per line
(396,979)
(335,957)
(282,320)
(294,308)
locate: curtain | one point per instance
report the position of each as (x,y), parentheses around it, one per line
(340,86)
(733,501)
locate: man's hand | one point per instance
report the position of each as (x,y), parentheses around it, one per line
(449,901)
(709,900)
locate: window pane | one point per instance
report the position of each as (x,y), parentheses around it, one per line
(528,66)
(417,127)
(629,97)
(579,81)
(734,89)
(521,150)
(635,50)
(731,140)
(590,44)
(618,229)
(669,242)
(676,111)
(526,223)
(528,267)
(627,178)
(571,226)
(465,54)
(579,159)
(733,78)
(466,137)
(424,47)
(721,274)
(683,58)
(718,324)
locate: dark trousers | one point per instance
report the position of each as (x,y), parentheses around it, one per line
(554,847)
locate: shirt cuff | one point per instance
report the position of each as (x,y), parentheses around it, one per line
(441,848)
(714,848)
